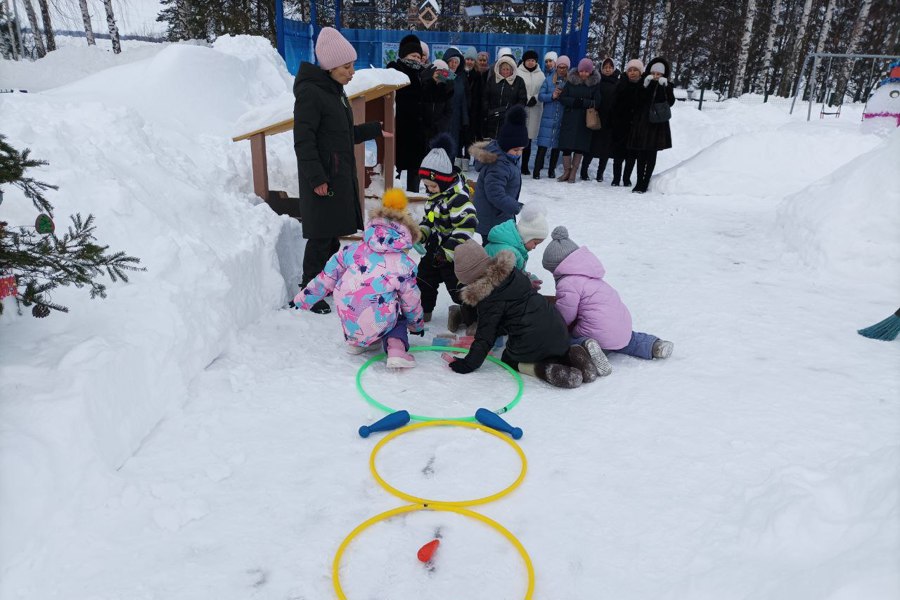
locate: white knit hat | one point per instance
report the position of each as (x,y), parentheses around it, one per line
(532,222)
(551,56)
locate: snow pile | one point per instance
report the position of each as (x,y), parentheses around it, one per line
(143,146)
(765,163)
(849,220)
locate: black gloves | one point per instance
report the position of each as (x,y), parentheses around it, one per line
(532,102)
(460,366)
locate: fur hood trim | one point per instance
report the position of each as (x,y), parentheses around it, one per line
(575,79)
(480,152)
(398,216)
(499,268)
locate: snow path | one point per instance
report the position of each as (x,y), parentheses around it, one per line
(752,464)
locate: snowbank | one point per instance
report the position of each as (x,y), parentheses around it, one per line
(765,163)
(848,221)
(145,147)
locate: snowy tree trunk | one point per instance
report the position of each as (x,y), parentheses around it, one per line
(113,28)
(48,25)
(663,28)
(792,65)
(13,48)
(770,44)
(738,85)
(826,26)
(86,17)
(855,36)
(612,27)
(36,32)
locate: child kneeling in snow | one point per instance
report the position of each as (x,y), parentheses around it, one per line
(520,237)
(539,343)
(448,222)
(591,307)
(374,284)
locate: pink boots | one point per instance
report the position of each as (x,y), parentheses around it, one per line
(398,357)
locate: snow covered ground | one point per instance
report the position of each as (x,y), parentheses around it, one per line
(187,438)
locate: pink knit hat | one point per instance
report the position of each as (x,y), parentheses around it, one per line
(586,64)
(636,64)
(563,60)
(333,49)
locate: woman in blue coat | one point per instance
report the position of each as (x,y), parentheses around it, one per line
(548,135)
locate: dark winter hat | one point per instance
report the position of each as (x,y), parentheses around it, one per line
(437,165)
(514,133)
(608,60)
(408,45)
(453,53)
(470,261)
(529,54)
(558,249)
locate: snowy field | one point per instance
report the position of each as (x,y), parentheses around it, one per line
(189,438)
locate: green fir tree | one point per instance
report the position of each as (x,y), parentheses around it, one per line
(38,258)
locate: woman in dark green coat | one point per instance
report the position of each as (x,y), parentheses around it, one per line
(324,136)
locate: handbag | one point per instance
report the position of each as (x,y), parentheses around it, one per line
(660,112)
(592,118)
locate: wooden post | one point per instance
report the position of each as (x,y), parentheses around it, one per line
(358,105)
(259,165)
(389,160)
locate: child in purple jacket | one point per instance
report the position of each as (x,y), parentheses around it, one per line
(374,284)
(590,306)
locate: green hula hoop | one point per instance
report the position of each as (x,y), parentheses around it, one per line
(372,401)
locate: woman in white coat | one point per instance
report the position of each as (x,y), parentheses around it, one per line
(534,77)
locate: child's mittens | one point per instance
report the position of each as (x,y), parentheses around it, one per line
(418,247)
(535,282)
(663,81)
(416,328)
(460,366)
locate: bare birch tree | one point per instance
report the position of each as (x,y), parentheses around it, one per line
(743,55)
(113,28)
(48,25)
(88,29)
(861,19)
(35,30)
(826,26)
(13,48)
(788,80)
(770,44)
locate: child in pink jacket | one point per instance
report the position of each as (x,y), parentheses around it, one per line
(374,284)
(590,306)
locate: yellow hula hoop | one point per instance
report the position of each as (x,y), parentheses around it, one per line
(335,568)
(427,502)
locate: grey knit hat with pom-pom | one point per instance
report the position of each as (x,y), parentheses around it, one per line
(558,249)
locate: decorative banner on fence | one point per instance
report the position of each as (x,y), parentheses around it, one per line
(389,52)
(429,11)
(437,51)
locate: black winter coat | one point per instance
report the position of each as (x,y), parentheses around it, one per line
(576,98)
(601,139)
(623,110)
(474,87)
(437,104)
(497,97)
(644,134)
(412,143)
(324,136)
(507,305)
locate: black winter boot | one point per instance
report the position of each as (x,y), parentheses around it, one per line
(579,358)
(554,158)
(558,375)
(584,168)
(539,161)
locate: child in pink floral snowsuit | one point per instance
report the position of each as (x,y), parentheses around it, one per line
(374,284)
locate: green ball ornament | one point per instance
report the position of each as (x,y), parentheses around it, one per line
(44,224)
